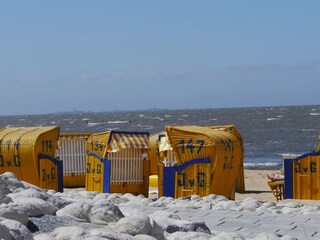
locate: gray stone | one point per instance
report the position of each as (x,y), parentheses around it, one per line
(104,212)
(78,211)
(134,225)
(35,206)
(17,230)
(4,232)
(68,232)
(14,213)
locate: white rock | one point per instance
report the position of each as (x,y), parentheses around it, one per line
(101,196)
(134,225)
(143,237)
(4,198)
(43,236)
(17,230)
(161,217)
(227,236)
(188,236)
(88,195)
(68,232)
(35,207)
(249,205)
(266,236)
(4,189)
(11,181)
(171,222)
(288,238)
(14,212)
(221,198)
(117,198)
(28,193)
(226,205)
(4,232)
(268,204)
(291,204)
(289,210)
(78,211)
(156,230)
(104,212)
(109,233)
(139,202)
(195,198)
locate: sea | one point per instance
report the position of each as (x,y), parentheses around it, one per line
(268,132)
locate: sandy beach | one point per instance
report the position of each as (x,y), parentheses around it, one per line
(256,184)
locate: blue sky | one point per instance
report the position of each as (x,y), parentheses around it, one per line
(130,55)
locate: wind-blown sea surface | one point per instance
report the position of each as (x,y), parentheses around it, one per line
(268,132)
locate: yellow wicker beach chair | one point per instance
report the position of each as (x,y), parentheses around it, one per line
(199,160)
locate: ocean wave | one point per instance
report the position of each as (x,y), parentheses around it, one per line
(314,114)
(273,119)
(263,166)
(309,130)
(93,124)
(118,122)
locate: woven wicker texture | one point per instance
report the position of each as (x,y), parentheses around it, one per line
(153,154)
(234,131)
(20,148)
(223,149)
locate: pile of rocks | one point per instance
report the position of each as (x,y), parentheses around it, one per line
(28,212)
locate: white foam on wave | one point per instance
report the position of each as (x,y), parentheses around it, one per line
(118,122)
(145,126)
(159,118)
(265,165)
(314,114)
(309,130)
(273,119)
(93,124)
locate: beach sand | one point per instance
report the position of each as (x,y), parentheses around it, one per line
(256,185)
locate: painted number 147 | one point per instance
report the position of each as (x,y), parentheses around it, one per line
(189,146)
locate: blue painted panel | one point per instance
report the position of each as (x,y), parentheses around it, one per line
(95,155)
(288,178)
(106,176)
(168,181)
